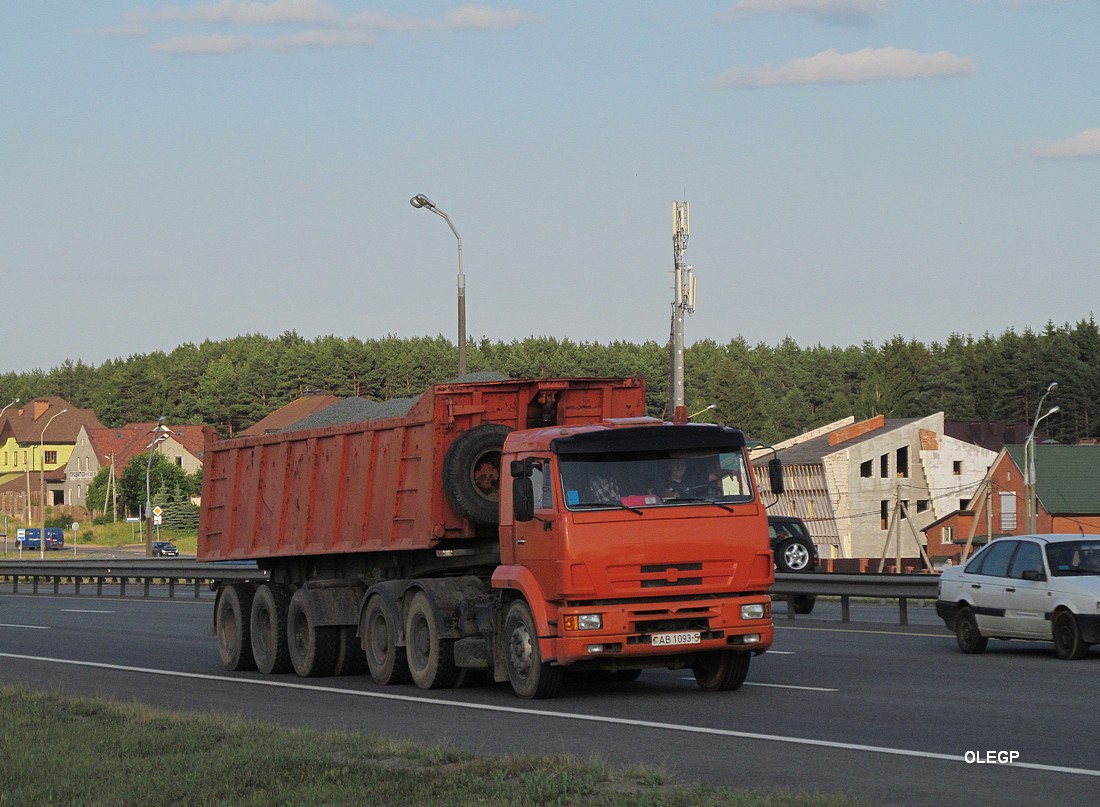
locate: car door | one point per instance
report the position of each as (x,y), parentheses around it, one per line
(984,586)
(1027,593)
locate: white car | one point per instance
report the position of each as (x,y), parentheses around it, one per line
(1027,587)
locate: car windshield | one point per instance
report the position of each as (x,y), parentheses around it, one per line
(654,479)
(1068,558)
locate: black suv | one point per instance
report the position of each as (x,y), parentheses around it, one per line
(794,551)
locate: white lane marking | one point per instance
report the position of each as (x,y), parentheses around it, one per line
(776,686)
(780,652)
(28,627)
(519,710)
(83,611)
(791,686)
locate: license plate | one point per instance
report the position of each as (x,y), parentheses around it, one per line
(669,639)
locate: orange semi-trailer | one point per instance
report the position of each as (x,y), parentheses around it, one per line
(516,529)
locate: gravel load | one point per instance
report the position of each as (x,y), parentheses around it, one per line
(358,410)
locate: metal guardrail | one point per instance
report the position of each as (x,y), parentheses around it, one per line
(146,571)
(902,587)
(117,574)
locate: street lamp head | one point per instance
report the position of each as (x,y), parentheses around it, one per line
(420,200)
(1052,410)
(1052,385)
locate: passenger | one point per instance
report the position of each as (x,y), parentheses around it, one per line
(675,484)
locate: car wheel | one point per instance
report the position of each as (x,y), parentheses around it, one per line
(1068,643)
(792,555)
(968,636)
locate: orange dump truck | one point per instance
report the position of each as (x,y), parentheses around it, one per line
(513,530)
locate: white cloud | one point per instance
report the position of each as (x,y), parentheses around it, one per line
(1083,144)
(249,12)
(843,12)
(869,64)
(485,17)
(134,23)
(207,44)
(325,38)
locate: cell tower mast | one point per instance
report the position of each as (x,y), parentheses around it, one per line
(683,302)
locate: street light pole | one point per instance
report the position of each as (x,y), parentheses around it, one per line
(422,201)
(42,483)
(6,406)
(161,431)
(1032,503)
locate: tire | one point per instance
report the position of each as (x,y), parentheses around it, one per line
(386,661)
(530,676)
(1068,643)
(232,624)
(268,624)
(793,555)
(471,472)
(802,603)
(350,658)
(431,658)
(722,670)
(312,649)
(967,634)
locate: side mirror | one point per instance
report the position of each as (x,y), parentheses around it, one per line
(523,499)
(775,475)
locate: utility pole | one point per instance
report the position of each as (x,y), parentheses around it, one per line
(683,303)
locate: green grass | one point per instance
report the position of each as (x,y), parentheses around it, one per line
(62,750)
(118,534)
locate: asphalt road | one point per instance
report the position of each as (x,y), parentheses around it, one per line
(886,713)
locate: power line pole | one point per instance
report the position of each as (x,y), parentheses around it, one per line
(683,303)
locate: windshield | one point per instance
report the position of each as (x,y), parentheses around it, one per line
(654,479)
(1074,557)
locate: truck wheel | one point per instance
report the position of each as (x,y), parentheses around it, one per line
(792,555)
(232,616)
(431,658)
(967,635)
(531,677)
(268,623)
(312,648)
(721,671)
(1068,643)
(378,633)
(350,658)
(471,472)
(802,603)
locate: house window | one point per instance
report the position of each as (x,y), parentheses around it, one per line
(50,458)
(964,504)
(904,508)
(923,505)
(948,535)
(867,469)
(884,514)
(957,468)
(884,466)
(1008,512)
(903,462)
(179,461)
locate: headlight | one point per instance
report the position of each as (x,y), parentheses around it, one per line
(753,611)
(584,621)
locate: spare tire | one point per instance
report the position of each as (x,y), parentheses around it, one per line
(471,472)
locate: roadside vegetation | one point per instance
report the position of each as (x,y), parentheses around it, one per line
(65,750)
(119,534)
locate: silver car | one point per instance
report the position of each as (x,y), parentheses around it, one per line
(1044,587)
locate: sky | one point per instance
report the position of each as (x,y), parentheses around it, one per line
(856,170)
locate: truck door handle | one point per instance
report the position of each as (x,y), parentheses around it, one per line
(520,541)
(975,585)
(1010,589)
